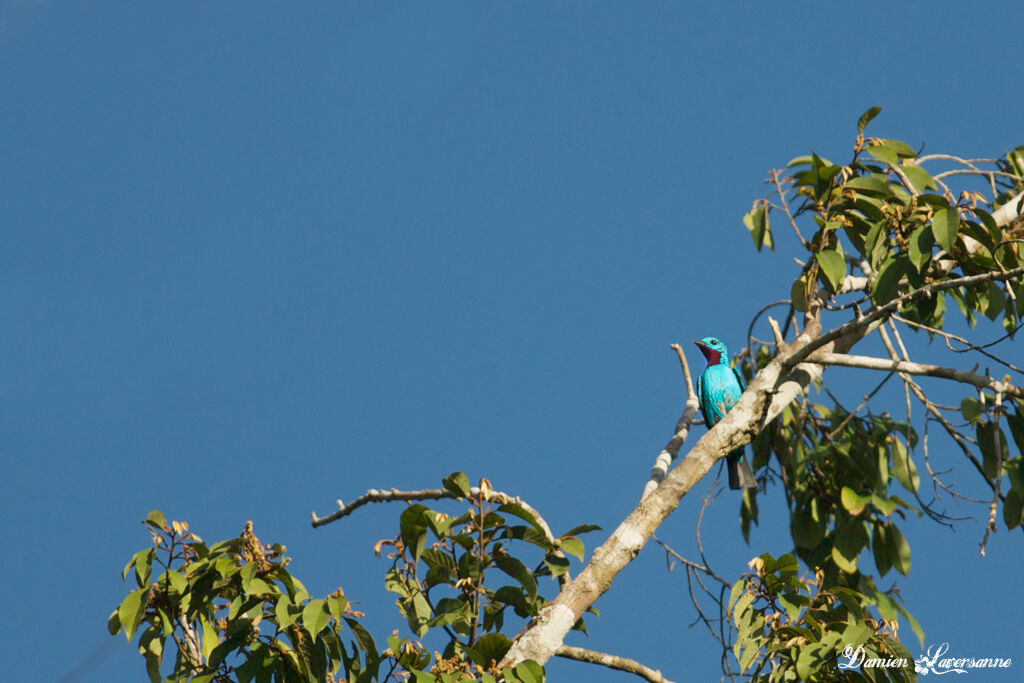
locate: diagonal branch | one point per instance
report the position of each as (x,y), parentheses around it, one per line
(911,368)
(612,662)
(671,450)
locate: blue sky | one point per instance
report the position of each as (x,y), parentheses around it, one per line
(258,258)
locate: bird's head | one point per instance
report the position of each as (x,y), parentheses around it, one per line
(714,350)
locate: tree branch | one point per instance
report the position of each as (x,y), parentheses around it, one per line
(1010,211)
(612,662)
(671,450)
(911,368)
(858,327)
(379,496)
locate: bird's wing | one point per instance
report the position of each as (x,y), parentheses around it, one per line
(739,378)
(702,400)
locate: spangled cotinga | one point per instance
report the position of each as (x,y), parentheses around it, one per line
(718,389)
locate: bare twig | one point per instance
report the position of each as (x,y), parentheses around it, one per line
(784,205)
(692,565)
(391,495)
(911,368)
(671,450)
(612,662)
(947,336)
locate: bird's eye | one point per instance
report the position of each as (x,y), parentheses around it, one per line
(715,342)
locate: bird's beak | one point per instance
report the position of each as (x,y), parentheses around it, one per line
(700,344)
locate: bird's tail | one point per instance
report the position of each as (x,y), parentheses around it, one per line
(740,474)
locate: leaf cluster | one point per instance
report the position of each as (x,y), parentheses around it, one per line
(440,567)
(234,612)
(905,229)
(790,628)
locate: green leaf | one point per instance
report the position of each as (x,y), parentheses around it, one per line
(143,563)
(336,605)
(315,617)
(759,225)
(247,574)
(1013,509)
(114,623)
(823,173)
(945,225)
(531,534)
(881,548)
(492,647)
(413,525)
(522,513)
(457,483)
(805,531)
(176,580)
(210,638)
(736,591)
(798,293)
(417,613)
(903,466)
(1014,468)
(849,540)
(899,550)
(155,519)
(885,505)
(853,501)
(810,659)
(582,529)
(786,564)
(132,609)
(992,458)
(833,267)
(856,634)
(884,154)
(888,279)
(866,117)
(364,638)
(899,147)
(286,612)
(920,178)
(448,610)
(919,251)
(970,408)
(518,571)
(868,183)
(530,672)
(573,546)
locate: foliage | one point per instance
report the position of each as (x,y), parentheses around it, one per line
(849,480)
(791,628)
(442,585)
(235,613)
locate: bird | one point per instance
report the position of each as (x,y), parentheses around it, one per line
(718,390)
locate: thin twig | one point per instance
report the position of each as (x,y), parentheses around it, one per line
(671,450)
(612,662)
(947,336)
(911,368)
(380,496)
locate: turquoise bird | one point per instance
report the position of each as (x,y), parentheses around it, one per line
(718,389)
